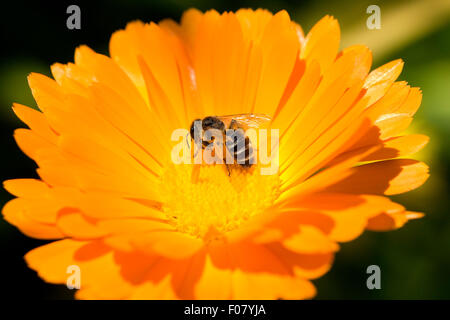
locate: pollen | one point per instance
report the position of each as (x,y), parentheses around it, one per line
(212,200)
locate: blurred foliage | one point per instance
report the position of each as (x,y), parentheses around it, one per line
(14,85)
(414,260)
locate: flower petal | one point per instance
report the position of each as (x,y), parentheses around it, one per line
(170,244)
(322,43)
(15,213)
(391,221)
(387,177)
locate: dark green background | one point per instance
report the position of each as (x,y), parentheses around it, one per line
(414,261)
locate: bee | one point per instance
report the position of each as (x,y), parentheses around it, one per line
(238,143)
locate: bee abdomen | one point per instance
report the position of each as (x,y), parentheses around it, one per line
(241,148)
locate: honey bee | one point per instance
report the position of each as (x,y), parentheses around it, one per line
(238,143)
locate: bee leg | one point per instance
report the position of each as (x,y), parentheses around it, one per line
(189,146)
(195,153)
(228,169)
(187,141)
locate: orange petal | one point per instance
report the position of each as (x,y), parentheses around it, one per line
(215,281)
(43,210)
(27,188)
(36,121)
(379,80)
(280,46)
(52,260)
(253,22)
(75,225)
(391,221)
(104,70)
(150,276)
(310,240)
(308,266)
(31,143)
(399,147)
(266,286)
(322,43)
(170,244)
(342,217)
(391,148)
(328,117)
(46,92)
(385,177)
(324,178)
(15,213)
(101,206)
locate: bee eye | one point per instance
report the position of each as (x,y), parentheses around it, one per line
(208,122)
(212,123)
(194,125)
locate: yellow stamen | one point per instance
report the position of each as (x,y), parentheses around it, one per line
(199,200)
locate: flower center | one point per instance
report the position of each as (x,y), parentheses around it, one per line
(210,200)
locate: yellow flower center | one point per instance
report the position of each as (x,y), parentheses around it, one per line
(210,200)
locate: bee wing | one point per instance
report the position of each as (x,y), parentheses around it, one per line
(246,120)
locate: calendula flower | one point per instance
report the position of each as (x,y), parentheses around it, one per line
(138,226)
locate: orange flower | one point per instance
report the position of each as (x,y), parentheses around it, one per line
(139,227)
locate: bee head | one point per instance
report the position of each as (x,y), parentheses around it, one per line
(212,123)
(205,124)
(195,126)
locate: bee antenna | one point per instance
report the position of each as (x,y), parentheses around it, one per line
(187,140)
